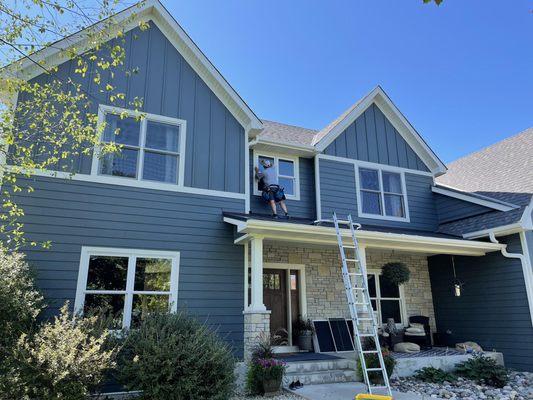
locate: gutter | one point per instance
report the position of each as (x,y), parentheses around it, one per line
(525,260)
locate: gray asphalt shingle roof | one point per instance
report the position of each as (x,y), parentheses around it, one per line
(503,171)
(284,133)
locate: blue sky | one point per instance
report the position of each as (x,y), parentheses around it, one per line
(462,73)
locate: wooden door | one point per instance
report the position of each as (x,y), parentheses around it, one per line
(275,299)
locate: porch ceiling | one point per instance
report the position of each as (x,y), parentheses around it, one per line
(325,235)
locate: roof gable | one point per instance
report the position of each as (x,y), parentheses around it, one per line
(154,11)
(380,99)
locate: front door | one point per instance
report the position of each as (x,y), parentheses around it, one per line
(275,299)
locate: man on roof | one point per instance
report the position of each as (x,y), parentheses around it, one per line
(272,193)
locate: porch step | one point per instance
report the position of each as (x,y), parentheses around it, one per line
(320,371)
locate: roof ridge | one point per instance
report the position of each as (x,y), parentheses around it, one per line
(291,125)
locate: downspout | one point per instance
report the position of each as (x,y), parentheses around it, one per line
(526,266)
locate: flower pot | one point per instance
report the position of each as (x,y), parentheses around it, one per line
(271,386)
(305,341)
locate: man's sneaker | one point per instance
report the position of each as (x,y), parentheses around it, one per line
(274,216)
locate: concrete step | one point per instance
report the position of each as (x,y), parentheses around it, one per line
(319,377)
(320,365)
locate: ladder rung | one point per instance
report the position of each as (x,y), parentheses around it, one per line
(365,335)
(374,369)
(351,259)
(370,351)
(358,288)
(354,274)
(349,247)
(365,319)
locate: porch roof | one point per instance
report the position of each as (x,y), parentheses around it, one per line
(306,231)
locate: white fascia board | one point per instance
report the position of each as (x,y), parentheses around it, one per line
(486,202)
(397,119)
(503,230)
(527,218)
(280,147)
(153,9)
(327,236)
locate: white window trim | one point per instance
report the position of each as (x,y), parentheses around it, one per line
(403,305)
(380,170)
(132,254)
(276,157)
(182,124)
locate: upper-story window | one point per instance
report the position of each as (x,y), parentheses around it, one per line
(382,194)
(151,146)
(287,171)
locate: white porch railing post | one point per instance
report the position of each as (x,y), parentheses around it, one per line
(257,304)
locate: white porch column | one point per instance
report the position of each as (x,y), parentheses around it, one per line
(256,304)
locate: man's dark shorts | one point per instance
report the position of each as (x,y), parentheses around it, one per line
(275,193)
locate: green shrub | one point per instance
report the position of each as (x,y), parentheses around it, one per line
(483,369)
(174,357)
(63,360)
(20,301)
(434,375)
(372,361)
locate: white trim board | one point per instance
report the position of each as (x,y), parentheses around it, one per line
(154,11)
(129,291)
(465,196)
(398,121)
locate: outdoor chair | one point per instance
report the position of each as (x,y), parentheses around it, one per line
(423,338)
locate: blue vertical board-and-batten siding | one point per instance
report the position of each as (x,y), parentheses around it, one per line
(451,209)
(167,84)
(338,194)
(72,214)
(305,207)
(371,137)
(493,307)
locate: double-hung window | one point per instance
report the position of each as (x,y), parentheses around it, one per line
(382,194)
(386,299)
(151,146)
(287,173)
(127,284)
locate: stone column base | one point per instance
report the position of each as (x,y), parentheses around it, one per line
(256,328)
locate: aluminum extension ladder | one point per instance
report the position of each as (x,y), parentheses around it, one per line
(356,285)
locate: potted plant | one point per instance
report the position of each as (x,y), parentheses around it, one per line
(396,273)
(271,373)
(303,330)
(372,361)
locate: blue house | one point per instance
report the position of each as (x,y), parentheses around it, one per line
(177,219)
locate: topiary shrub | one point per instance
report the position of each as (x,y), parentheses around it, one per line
(483,369)
(20,301)
(434,375)
(372,361)
(174,357)
(63,360)
(396,272)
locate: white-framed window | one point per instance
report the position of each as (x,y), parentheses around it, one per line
(127,283)
(382,194)
(287,169)
(388,300)
(152,147)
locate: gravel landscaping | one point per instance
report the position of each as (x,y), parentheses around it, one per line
(520,387)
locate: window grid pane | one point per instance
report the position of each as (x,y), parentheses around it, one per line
(381,193)
(150,149)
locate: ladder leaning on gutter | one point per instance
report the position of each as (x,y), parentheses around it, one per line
(356,286)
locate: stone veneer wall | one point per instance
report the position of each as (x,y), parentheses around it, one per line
(256,326)
(325,291)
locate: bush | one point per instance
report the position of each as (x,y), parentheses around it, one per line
(372,361)
(434,375)
(64,359)
(20,302)
(483,369)
(172,356)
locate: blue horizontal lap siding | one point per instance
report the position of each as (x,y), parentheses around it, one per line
(73,214)
(305,207)
(215,141)
(373,138)
(450,209)
(338,193)
(493,308)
